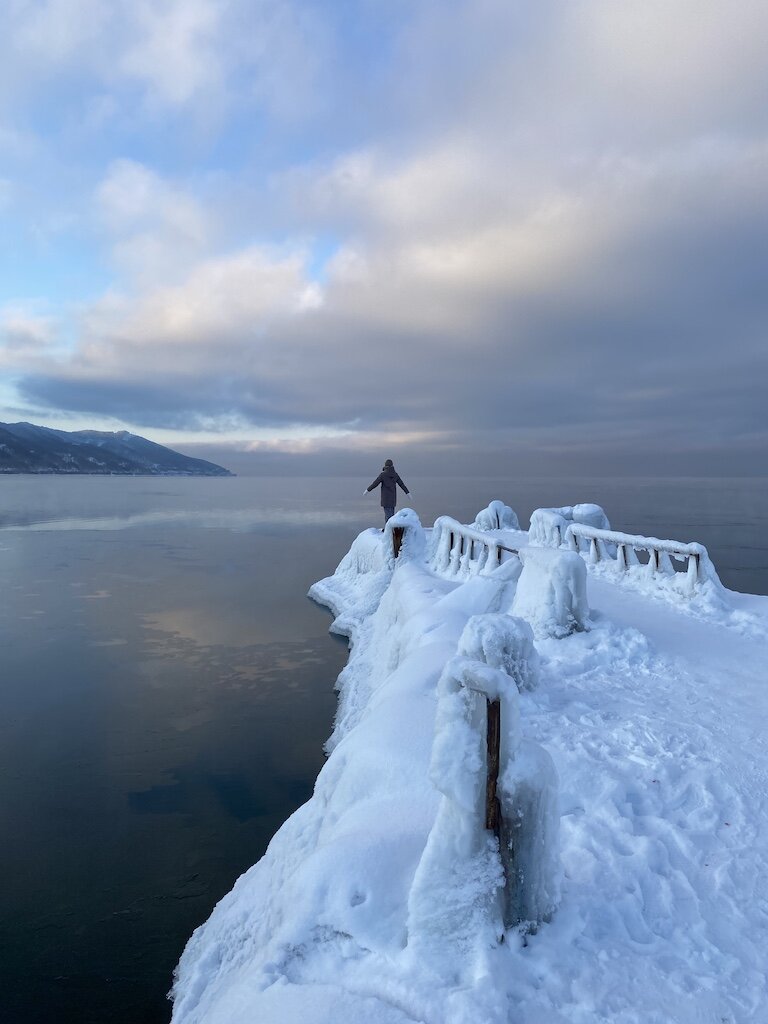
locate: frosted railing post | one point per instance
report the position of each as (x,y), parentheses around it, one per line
(664,563)
(621,556)
(594,551)
(698,568)
(466,553)
(493,742)
(693,571)
(453,553)
(482,558)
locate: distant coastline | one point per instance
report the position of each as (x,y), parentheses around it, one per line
(26,448)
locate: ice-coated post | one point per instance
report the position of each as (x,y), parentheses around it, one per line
(455,559)
(693,572)
(664,563)
(397,539)
(407,541)
(493,741)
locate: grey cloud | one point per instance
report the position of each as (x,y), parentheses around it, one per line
(656,339)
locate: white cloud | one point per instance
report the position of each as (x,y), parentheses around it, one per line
(27,339)
(176,53)
(55,33)
(185,56)
(213,323)
(157,229)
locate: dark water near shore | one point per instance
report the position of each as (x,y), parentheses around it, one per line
(166,687)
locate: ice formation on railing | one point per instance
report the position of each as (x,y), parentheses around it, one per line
(505,642)
(549,525)
(497,516)
(464,550)
(620,549)
(412,544)
(471,884)
(552,592)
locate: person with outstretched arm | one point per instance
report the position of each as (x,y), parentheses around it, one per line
(390,481)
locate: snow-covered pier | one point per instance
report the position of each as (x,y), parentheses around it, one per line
(545,799)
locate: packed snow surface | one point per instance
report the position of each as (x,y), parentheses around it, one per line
(634,769)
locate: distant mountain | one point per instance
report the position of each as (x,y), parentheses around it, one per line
(25,448)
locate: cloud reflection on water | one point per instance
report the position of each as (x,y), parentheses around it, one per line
(236,520)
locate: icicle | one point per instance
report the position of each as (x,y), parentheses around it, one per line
(693,572)
(664,563)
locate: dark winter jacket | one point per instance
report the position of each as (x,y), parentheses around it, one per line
(389,480)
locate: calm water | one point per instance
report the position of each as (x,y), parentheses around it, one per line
(166,688)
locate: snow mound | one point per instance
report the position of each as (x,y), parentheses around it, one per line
(470,885)
(497,516)
(552,592)
(503,642)
(355,589)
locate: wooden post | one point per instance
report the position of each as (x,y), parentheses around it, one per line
(397,539)
(493,739)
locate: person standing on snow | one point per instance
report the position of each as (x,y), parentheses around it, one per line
(389,480)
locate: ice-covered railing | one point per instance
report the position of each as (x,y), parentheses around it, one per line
(464,550)
(622,549)
(549,525)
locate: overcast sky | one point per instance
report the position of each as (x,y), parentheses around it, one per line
(470,232)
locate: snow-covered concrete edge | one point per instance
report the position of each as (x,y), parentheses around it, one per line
(356,912)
